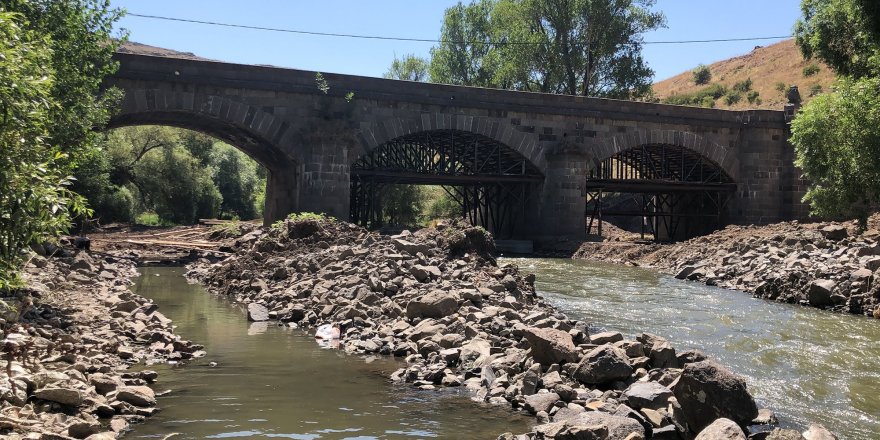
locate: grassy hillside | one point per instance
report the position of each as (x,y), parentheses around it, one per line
(769,68)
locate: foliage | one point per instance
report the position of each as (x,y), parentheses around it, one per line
(438,204)
(702,75)
(704,97)
(838,147)
(401,204)
(409,68)
(842,33)
(754,97)
(322,83)
(780,87)
(811,70)
(231,228)
(732,97)
(317,216)
(236,177)
(815,89)
(743,86)
(576,47)
(148,219)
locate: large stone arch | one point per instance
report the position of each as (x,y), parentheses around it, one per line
(376,133)
(257,133)
(720,155)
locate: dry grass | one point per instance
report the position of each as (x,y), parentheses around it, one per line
(766,66)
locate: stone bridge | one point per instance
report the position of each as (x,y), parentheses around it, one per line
(310,139)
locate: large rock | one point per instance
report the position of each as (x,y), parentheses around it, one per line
(551,346)
(784,434)
(818,432)
(820,291)
(722,429)
(137,395)
(647,395)
(834,232)
(64,396)
(603,364)
(434,304)
(541,402)
(619,428)
(409,247)
(257,312)
(708,391)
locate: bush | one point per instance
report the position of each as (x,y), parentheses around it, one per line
(815,89)
(702,97)
(754,97)
(702,75)
(147,219)
(743,86)
(811,70)
(732,98)
(780,87)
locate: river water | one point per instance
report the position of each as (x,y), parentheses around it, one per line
(271,382)
(805,364)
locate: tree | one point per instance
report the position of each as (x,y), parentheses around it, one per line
(702,75)
(575,47)
(236,177)
(843,33)
(409,68)
(837,142)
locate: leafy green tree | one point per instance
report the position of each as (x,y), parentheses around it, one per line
(838,147)
(236,177)
(843,33)
(575,47)
(702,75)
(409,68)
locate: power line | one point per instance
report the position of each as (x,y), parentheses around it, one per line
(418,40)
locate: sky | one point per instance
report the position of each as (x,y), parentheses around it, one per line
(686,20)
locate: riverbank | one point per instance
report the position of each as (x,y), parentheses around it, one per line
(70,339)
(438,299)
(825,264)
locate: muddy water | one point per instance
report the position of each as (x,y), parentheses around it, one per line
(806,364)
(275,383)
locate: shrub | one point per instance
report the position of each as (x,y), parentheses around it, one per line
(743,86)
(732,98)
(147,219)
(701,97)
(780,87)
(811,70)
(702,75)
(754,97)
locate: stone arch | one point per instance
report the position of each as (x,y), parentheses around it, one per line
(257,133)
(719,155)
(377,133)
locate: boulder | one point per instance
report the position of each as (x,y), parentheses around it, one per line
(784,434)
(619,428)
(722,429)
(834,232)
(551,346)
(136,395)
(603,364)
(64,396)
(434,304)
(663,355)
(606,338)
(424,273)
(647,395)
(818,432)
(408,246)
(257,312)
(820,291)
(569,430)
(541,402)
(708,391)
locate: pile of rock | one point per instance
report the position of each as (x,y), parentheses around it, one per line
(825,265)
(437,299)
(68,345)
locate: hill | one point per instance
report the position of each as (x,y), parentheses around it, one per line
(769,68)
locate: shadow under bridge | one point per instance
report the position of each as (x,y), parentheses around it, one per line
(490,182)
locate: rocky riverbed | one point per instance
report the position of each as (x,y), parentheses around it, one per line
(438,299)
(827,265)
(71,338)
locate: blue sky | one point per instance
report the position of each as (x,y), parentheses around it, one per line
(687,20)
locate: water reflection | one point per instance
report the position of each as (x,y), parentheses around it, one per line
(275,382)
(806,364)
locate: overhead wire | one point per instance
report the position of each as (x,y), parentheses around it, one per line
(418,40)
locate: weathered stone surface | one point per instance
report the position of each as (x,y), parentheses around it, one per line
(603,364)
(834,232)
(137,395)
(820,291)
(434,304)
(722,429)
(647,395)
(551,346)
(541,402)
(784,434)
(64,396)
(257,312)
(409,247)
(606,338)
(708,391)
(818,432)
(619,428)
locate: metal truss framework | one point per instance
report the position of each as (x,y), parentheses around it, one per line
(679,193)
(489,180)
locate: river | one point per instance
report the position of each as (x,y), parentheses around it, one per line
(805,364)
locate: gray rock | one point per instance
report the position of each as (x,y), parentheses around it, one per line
(784,434)
(434,304)
(136,395)
(663,355)
(257,312)
(424,273)
(606,338)
(550,346)
(619,428)
(722,429)
(603,364)
(64,396)
(820,291)
(541,402)
(708,391)
(818,432)
(408,246)
(834,232)
(647,395)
